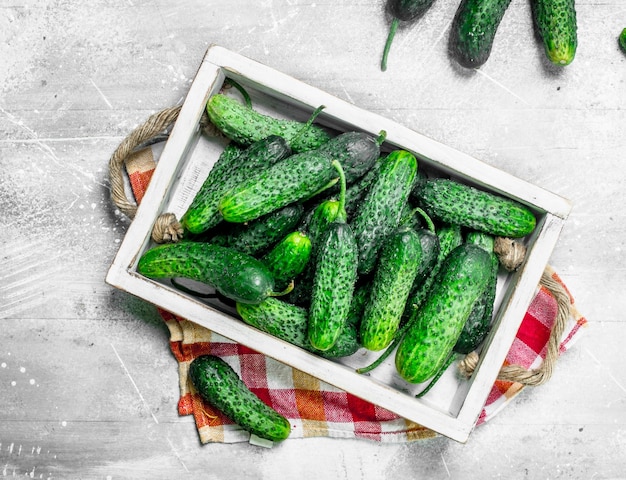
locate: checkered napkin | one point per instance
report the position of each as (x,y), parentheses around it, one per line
(314,408)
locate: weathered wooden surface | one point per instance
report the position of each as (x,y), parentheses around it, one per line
(88,386)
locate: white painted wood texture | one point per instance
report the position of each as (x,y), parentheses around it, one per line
(88,386)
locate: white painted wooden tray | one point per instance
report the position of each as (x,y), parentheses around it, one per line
(453,405)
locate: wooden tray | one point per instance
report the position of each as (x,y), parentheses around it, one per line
(452,407)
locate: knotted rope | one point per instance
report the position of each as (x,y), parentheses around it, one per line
(166,227)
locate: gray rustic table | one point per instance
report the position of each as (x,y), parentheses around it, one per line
(88,386)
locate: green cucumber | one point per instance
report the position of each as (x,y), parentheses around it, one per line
(379,213)
(621,40)
(478,323)
(261,234)
(245,125)
(220,386)
(454,202)
(235,275)
(556,24)
(474,29)
(231,168)
(334,279)
(430,339)
(435,248)
(395,272)
(405,11)
(290,323)
(288,258)
(323,215)
(299,177)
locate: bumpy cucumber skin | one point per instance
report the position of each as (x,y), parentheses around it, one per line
(235,275)
(298,177)
(219,385)
(474,29)
(397,267)
(245,125)
(429,341)
(333,285)
(231,168)
(290,323)
(453,202)
(261,234)
(448,238)
(556,23)
(478,322)
(288,258)
(379,213)
(323,215)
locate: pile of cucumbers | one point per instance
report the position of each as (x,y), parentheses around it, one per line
(476,22)
(332,244)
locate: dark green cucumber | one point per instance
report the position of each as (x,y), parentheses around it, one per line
(288,258)
(405,11)
(379,213)
(245,125)
(454,202)
(621,40)
(299,177)
(395,272)
(235,275)
(220,386)
(478,323)
(556,23)
(231,168)
(259,235)
(474,29)
(430,339)
(290,323)
(334,279)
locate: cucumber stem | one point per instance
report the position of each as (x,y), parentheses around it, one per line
(309,122)
(342,215)
(382,135)
(429,223)
(284,292)
(442,369)
(244,93)
(392,33)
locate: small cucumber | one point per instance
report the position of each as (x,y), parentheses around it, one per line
(261,234)
(220,386)
(556,23)
(235,275)
(474,29)
(334,279)
(299,177)
(429,341)
(454,202)
(405,11)
(395,272)
(231,168)
(288,258)
(245,125)
(322,216)
(290,323)
(379,213)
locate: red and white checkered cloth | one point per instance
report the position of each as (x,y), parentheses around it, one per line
(314,408)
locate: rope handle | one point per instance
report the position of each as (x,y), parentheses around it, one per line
(166,227)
